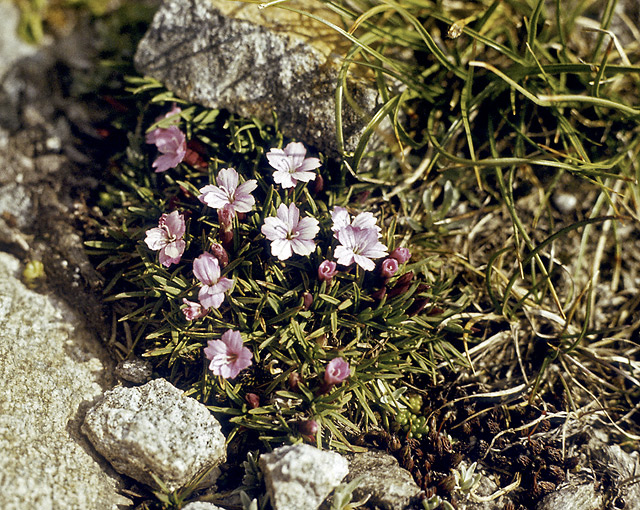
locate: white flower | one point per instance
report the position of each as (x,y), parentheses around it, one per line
(228,193)
(289,234)
(291,165)
(360,246)
(364,220)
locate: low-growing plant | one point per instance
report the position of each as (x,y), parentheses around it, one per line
(254,280)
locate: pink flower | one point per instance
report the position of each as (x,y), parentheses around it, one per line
(167,237)
(401,254)
(360,246)
(389,267)
(228,193)
(327,270)
(289,234)
(171,143)
(291,165)
(228,356)
(193,310)
(364,220)
(337,371)
(206,268)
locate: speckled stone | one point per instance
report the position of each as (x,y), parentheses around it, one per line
(51,368)
(388,486)
(155,429)
(301,476)
(255,62)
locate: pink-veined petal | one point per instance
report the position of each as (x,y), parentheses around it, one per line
(281,248)
(228,178)
(206,268)
(156,238)
(307,228)
(302,247)
(364,262)
(274,228)
(175,224)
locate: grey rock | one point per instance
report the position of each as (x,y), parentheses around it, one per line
(201,505)
(135,370)
(51,368)
(253,62)
(301,476)
(155,429)
(582,496)
(388,486)
(12,48)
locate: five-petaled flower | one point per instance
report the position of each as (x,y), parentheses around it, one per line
(360,246)
(341,218)
(206,268)
(289,233)
(228,194)
(337,371)
(171,143)
(193,310)
(327,270)
(291,165)
(228,356)
(167,237)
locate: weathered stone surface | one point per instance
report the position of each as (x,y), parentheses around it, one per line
(255,61)
(301,476)
(583,497)
(135,370)
(388,486)
(51,368)
(201,505)
(156,429)
(12,48)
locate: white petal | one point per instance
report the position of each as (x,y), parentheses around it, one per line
(281,248)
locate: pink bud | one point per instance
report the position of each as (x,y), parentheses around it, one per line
(220,253)
(337,371)
(308,427)
(319,184)
(401,254)
(253,400)
(388,268)
(308,300)
(327,270)
(225,217)
(294,379)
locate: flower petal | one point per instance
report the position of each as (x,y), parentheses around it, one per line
(156,238)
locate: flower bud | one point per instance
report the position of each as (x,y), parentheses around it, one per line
(308,300)
(327,270)
(294,379)
(401,254)
(308,427)
(337,371)
(253,400)
(225,217)
(318,184)
(389,268)
(220,253)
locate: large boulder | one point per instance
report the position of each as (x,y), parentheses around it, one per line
(51,369)
(254,62)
